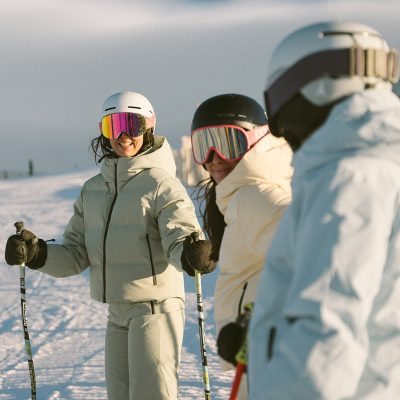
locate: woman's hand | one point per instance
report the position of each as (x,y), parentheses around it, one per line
(196,255)
(26,248)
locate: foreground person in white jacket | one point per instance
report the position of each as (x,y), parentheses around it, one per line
(326,323)
(246,196)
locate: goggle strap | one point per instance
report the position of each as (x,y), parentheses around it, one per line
(256,134)
(150,121)
(349,62)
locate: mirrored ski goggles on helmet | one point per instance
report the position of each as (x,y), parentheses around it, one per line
(113,125)
(228,141)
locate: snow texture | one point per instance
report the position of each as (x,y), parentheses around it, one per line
(66,327)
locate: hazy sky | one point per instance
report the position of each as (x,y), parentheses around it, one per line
(61,58)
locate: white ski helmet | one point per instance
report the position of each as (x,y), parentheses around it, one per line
(127,102)
(325,62)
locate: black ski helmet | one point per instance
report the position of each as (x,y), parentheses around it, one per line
(229,109)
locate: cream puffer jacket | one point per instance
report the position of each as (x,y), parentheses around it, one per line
(128,226)
(252,199)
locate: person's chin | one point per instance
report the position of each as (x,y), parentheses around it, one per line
(219,176)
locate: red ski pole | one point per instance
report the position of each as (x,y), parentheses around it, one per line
(240,368)
(241,356)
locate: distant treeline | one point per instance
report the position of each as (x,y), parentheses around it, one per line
(6,174)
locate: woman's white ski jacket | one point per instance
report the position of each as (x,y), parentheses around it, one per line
(252,199)
(128,226)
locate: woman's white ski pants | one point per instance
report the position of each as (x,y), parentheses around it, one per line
(143,350)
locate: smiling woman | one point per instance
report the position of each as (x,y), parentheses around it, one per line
(130,225)
(126,128)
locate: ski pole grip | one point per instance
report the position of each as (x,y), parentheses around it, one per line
(19,226)
(195,236)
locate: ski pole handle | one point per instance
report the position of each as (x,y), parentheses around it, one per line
(19,226)
(195,236)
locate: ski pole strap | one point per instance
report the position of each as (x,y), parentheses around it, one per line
(244,319)
(241,356)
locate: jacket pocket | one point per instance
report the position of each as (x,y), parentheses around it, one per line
(153,271)
(271,340)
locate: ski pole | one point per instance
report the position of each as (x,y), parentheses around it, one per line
(241,356)
(240,368)
(203,352)
(20,227)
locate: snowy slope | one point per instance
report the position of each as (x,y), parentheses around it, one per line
(67,328)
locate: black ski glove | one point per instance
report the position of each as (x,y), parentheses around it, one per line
(232,336)
(196,254)
(230,339)
(26,248)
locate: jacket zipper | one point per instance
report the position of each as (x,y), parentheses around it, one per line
(271,340)
(241,299)
(106,231)
(153,271)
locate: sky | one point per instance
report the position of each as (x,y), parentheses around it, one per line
(67,328)
(60,59)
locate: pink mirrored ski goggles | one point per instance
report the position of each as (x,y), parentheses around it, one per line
(113,125)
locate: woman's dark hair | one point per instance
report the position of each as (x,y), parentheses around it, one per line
(101,146)
(213,221)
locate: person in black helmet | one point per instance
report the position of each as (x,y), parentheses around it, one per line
(245,197)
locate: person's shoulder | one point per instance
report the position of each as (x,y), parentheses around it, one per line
(93,182)
(94,178)
(267,194)
(255,202)
(159,173)
(163,180)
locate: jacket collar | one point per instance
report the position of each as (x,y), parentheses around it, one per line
(268,162)
(367,122)
(159,156)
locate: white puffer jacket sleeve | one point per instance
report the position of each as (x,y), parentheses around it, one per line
(71,257)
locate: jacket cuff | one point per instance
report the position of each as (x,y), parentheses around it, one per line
(185,265)
(40,258)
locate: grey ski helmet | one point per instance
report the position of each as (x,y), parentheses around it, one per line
(318,65)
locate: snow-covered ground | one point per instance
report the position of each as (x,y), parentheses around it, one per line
(67,328)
